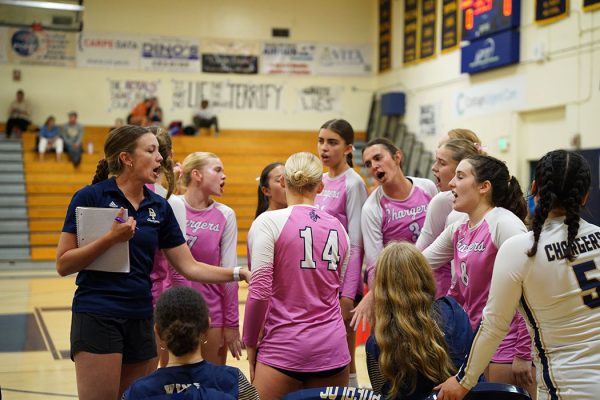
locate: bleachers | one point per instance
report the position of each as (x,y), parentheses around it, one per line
(50,184)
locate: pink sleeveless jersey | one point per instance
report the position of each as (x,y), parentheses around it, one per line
(474,252)
(299,256)
(343,198)
(385,219)
(212,238)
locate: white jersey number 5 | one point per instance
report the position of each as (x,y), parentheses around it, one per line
(592,300)
(330,252)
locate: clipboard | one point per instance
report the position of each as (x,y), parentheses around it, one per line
(94,222)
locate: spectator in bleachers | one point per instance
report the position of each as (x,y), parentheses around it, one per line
(206,118)
(155,114)
(418,341)
(19,115)
(72,134)
(139,114)
(50,139)
(181,324)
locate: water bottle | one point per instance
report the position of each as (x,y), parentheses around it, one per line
(90,147)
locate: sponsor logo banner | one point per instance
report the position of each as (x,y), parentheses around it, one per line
(288,59)
(343,59)
(230,56)
(41,48)
(108,50)
(171,54)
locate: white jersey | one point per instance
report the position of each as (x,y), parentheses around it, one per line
(559,299)
(440,214)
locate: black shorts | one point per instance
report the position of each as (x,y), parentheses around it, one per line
(304,376)
(98,334)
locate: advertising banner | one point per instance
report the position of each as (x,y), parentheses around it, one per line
(41,48)
(343,59)
(288,59)
(108,50)
(226,56)
(170,54)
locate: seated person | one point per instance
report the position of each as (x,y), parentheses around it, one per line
(19,116)
(72,134)
(181,323)
(154,115)
(206,118)
(50,139)
(419,341)
(139,114)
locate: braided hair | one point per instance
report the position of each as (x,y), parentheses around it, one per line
(562,179)
(506,191)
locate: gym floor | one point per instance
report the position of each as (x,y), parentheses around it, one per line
(35,320)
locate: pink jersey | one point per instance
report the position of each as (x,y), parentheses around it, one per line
(212,238)
(473,251)
(440,214)
(163,276)
(385,219)
(343,198)
(299,256)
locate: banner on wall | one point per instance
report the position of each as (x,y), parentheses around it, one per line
(41,48)
(3,41)
(427,28)
(343,59)
(411,25)
(170,54)
(326,99)
(591,5)
(227,95)
(429,119)
(502,95)
(450,27)
(288,59)
(227,56)
(108,50)
(385,35)
(548,11)
(124,94)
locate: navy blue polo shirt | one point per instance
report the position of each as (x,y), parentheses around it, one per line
(119,294)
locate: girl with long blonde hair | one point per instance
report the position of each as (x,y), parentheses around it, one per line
(418,340)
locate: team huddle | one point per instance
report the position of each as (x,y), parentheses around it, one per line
(459,290)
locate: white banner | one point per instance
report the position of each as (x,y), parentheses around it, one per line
(170,54)
(41,48)
(288,58)
(108,50)
(3,44)
(343,59)
(227,95)
(326,99)
(429,119)
(127,93)
(501,95)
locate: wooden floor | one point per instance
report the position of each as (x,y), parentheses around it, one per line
(35,320)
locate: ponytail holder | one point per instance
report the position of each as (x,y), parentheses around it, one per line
(480,148)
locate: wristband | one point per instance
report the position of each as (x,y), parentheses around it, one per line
(236,274)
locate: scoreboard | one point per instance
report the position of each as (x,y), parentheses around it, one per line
(485,17)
